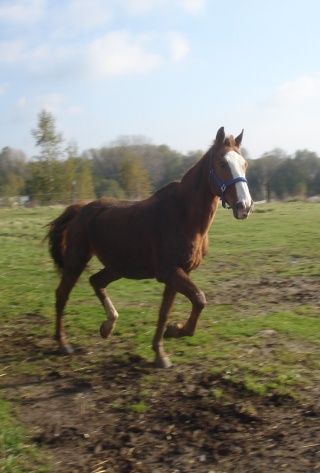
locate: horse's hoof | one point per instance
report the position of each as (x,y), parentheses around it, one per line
(65,350)
(106,328)
(162,362)
(173,331)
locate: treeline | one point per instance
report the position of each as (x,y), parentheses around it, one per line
(129,168)
(277,175)
(134,168)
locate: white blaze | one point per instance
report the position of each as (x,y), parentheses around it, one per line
(236,164)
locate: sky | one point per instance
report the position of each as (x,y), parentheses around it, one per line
(172,71)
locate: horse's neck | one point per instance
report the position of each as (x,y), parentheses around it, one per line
(200,204)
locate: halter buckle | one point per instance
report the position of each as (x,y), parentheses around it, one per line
(223,187)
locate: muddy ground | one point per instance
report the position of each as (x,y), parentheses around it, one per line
(115,416)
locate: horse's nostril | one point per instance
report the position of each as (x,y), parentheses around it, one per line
(240,206)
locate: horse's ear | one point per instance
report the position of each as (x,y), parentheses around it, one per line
(220,137)
(238,140)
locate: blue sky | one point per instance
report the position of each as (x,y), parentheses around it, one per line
(173,71)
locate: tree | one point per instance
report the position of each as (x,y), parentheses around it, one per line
(263,175)
(161,163)
(109,188)
(173,165)
(135,179)
(47,138)
(13,170)
(52,177)
(307,164)
(78,182)
(46,179)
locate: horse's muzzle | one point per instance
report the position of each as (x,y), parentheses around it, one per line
(242,210)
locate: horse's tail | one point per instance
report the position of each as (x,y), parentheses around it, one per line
(58,231)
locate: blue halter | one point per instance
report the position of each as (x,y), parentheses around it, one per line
(223,186)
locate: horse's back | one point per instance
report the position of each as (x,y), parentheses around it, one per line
(139,239)
(121,234)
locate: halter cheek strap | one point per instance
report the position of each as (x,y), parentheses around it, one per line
(223,186)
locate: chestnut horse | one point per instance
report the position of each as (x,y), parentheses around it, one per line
(163,237)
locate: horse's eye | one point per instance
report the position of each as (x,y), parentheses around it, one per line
(222,164)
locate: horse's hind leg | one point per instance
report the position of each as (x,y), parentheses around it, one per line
(99,282)
(68,280)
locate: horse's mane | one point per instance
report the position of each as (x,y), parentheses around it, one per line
(229,141)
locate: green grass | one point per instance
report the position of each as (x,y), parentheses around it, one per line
(17,455)
(254,330)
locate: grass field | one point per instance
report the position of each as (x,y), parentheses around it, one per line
(261,325)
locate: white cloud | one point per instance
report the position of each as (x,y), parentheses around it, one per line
(27,107)
(296,92)
(60,53)
(11,52)
(16,52)
(122,53)
(119,53)
(21,11)
(288,119)
(139,6)
(178,46)
(81,15)
(193,6)
(52,102)
(142,6)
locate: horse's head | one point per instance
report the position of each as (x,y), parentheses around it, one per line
(227,175)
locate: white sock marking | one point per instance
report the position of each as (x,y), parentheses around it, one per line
(110,310)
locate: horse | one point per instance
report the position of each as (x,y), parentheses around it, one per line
(164,237)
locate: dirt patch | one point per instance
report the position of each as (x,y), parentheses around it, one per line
(116,414)
(270,293)
(118,420)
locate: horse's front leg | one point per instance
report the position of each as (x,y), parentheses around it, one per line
(183,284)
(162,360)
(99,281)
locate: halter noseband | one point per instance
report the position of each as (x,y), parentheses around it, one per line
(223,186)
